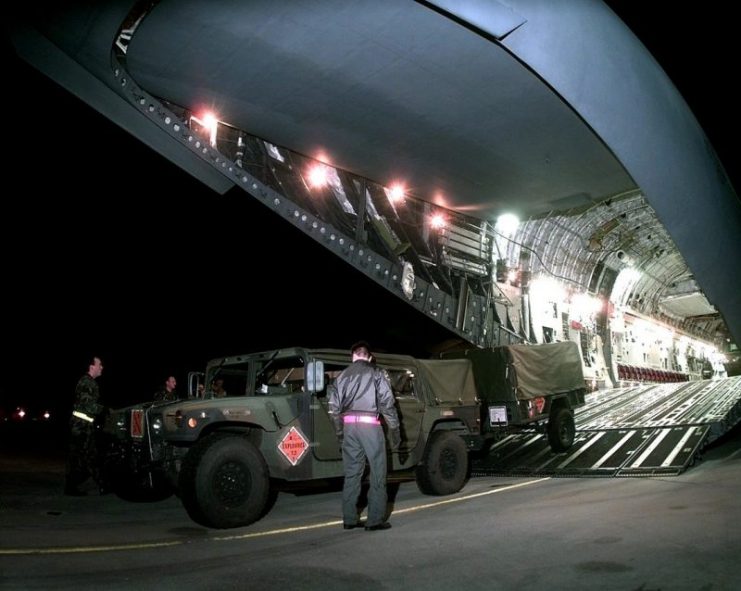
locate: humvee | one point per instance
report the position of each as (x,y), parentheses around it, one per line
(226,456)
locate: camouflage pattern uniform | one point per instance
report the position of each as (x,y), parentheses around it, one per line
(82,461)
(162,395)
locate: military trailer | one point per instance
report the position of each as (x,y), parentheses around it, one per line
(527,386)
(227,456)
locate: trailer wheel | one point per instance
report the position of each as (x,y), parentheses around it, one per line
(224,482)
(444,467)
(561,429)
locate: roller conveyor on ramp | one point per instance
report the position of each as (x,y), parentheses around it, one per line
(647,430)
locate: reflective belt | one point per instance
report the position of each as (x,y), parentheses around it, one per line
(83,416)
(360,419)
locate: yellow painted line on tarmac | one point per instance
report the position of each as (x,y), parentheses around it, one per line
(395,512)
(469,497)
(275,532)
(87,549)
(262,534)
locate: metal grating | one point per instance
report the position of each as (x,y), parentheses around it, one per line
(655,430)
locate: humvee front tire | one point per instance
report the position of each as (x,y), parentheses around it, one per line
(224,482)
(561,429)
(444,467)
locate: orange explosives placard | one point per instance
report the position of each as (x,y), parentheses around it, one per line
(293,446)
(137,427)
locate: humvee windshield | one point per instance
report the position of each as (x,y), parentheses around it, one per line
(286,375)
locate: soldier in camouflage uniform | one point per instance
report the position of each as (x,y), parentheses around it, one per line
(82,461)
(167,393)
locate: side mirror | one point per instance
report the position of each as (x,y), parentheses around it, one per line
(315,376)
(195,384)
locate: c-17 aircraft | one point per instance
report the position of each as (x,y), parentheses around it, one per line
(516,171)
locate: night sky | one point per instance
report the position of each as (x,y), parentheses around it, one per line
(157,274)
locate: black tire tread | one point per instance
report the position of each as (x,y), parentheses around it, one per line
(212,516)
(430,480)
(560,417)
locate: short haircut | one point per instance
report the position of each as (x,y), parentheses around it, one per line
(361,348)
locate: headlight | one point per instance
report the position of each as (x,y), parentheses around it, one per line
(185,419)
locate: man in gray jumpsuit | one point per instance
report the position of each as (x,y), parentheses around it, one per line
(359,395)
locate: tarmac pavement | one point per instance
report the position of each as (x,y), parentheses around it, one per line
(668,533)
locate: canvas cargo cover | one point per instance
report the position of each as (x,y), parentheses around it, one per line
(521,372)
(541,370)
(451,380)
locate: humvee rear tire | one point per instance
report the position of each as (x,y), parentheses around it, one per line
(224,482)
(561,429)
(444,467)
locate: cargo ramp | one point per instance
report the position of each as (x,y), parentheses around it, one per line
(648,430)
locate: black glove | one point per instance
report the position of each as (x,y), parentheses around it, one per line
(395,439)
(340,437)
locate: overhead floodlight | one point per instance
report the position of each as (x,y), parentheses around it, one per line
(396,193)
(507,224)
(438,221)
(209,120)
(210,124)
(317,175)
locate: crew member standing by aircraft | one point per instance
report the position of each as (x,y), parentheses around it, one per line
(167,392)
(360,393)
(82,461)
